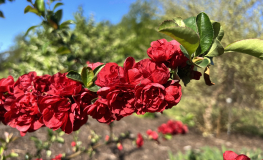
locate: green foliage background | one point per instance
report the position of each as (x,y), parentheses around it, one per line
(237,76)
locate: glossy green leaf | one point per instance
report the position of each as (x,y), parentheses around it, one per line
(185,52)
(96,71)
(179,21)
(57,5)
(40,5)
(58,16)
(167,24)
(216,50)
(191,23)
(94,88)
(2,14)
(74,76)
(206,33)
(253,47)
(63,50)
(218,30)
(203,63)
(185,36)
(32,10)
(87,75)
(29,29)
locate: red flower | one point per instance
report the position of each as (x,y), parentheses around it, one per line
(119,146)
(147,69)
(139,140)
(57,157)
(107,138)
(63,86)
(57,113)
(6,88)
(42,83)
(24,84)
(162,51)
(230,155)
(100,111)
(93,65)
(150,98)
(173,93)
(152,134)
(110,75)
(173,127)
(73,143)
(23,114)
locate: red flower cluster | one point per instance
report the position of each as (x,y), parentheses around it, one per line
(170,54)
(173,128)
(136,87)
(230,155)
(36,101)
(59,102)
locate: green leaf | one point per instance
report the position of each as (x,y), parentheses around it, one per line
(167,24)
(87,76)
(203,63)
(185,52)
(168,136)
(74,76)
(29,29)
(57,5)
(185,36)
(32,10)
(94,88)
(96,72)
(66,23)
(191,23)
(253,47)
(40,6)
(218,31)
(2,14)
(216,50)
(179,21)
(58,16)
(206,33)
(1,150)
(63,50)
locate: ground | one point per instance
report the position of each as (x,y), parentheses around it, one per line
(150,150)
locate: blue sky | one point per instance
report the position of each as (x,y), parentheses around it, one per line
(16,21)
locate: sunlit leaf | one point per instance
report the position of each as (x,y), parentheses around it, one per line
(40,6)
(32,10)
(206,33)
(87,75)
(185,36)
(216,49)
(179,21)
(203,63)
(167,24)
(191,23)
(96,71)
(253,47)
